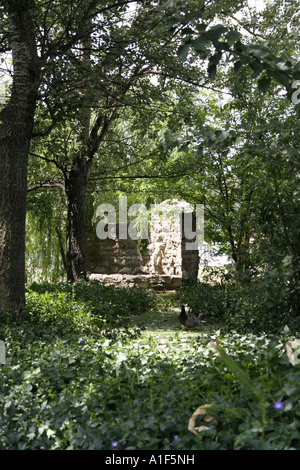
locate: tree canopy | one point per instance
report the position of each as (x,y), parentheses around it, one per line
(152,100)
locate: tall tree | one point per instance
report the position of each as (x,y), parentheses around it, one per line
(37,34)
(16,131)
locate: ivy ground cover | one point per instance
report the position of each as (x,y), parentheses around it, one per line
(91,367)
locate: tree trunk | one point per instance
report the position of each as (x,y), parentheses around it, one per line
(76,183)
(15,135)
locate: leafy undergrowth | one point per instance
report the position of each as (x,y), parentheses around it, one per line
(93,367)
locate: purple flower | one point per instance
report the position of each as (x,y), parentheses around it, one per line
(176,438)
(80,340)
(114,443)
(278,405)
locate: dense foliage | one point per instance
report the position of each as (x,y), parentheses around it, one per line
(154,100)
(262,305)
(80,375)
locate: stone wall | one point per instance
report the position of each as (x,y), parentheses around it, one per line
(114,256)
(164,255)
(144,281)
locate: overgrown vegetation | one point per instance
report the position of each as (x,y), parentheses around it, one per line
(86,369)
(264,304)
(153,100)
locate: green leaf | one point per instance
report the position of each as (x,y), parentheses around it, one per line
(215,32)
(215,59)
(201,27)
(199,44)
(212,71)
(241,376)
(264,83)
(232,37)
(282,78)
(183,51)
(259,51)
(237,65)
(257,68)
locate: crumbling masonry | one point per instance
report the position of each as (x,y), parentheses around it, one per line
(162,262)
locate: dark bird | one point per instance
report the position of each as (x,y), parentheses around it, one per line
(190,321)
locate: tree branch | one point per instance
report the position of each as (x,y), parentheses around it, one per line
(49,160)
(47,185)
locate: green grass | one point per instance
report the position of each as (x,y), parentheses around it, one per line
(93,367)
(163,324)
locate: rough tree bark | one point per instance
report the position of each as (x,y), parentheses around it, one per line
(17,120)
(75,186)
(76,182)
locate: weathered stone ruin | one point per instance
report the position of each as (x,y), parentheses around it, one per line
(162,261)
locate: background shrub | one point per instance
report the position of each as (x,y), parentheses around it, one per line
(254,307)
(85,305)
